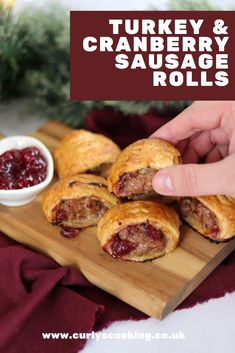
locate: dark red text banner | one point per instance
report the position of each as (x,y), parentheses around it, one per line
(147,55)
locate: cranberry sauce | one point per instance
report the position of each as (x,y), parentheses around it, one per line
(22,168)
(69,232)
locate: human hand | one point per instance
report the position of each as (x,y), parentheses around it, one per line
(203,130)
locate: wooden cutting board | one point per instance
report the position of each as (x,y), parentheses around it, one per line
(154,287)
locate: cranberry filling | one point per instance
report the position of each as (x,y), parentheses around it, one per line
(22,168)
(69,232)
(60,215)
(121,247)
(153,233)
(136,238)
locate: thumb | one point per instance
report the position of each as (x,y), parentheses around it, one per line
(197,179)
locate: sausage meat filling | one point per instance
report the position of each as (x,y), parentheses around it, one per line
(135,183)
(192,208)
(74,212)
(137,239)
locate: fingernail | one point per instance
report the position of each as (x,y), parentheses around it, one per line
(163,183)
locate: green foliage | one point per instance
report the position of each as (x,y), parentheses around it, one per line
(191,5)
(13,52)
(33,43)
(34,61)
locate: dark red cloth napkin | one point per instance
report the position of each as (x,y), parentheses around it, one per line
(125,129)
(38,296)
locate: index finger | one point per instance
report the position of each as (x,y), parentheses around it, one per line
(200,116)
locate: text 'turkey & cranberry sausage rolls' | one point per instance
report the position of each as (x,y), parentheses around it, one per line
(131,175)
(139,230)
(77,202)
(212,216)
(82,151)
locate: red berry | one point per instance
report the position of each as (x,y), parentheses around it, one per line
(22,168)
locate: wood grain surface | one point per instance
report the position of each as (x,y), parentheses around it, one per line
(155,287)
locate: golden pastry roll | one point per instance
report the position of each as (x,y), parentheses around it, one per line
(132,173)
(139,230)
(212,216)
(77,202)
(82,151)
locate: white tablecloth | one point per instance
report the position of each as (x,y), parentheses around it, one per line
(208,327)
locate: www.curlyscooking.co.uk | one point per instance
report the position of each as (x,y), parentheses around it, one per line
(132,335)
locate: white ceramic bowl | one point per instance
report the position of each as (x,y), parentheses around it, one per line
(23,196)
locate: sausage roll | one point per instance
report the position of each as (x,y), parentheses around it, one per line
(139,230)
(82,151)
(212,216)
(131,175)
(77,202)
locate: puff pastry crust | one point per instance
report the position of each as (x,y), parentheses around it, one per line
(137,164)
(82,151)
(92,193)
(116,225)
(216,220)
